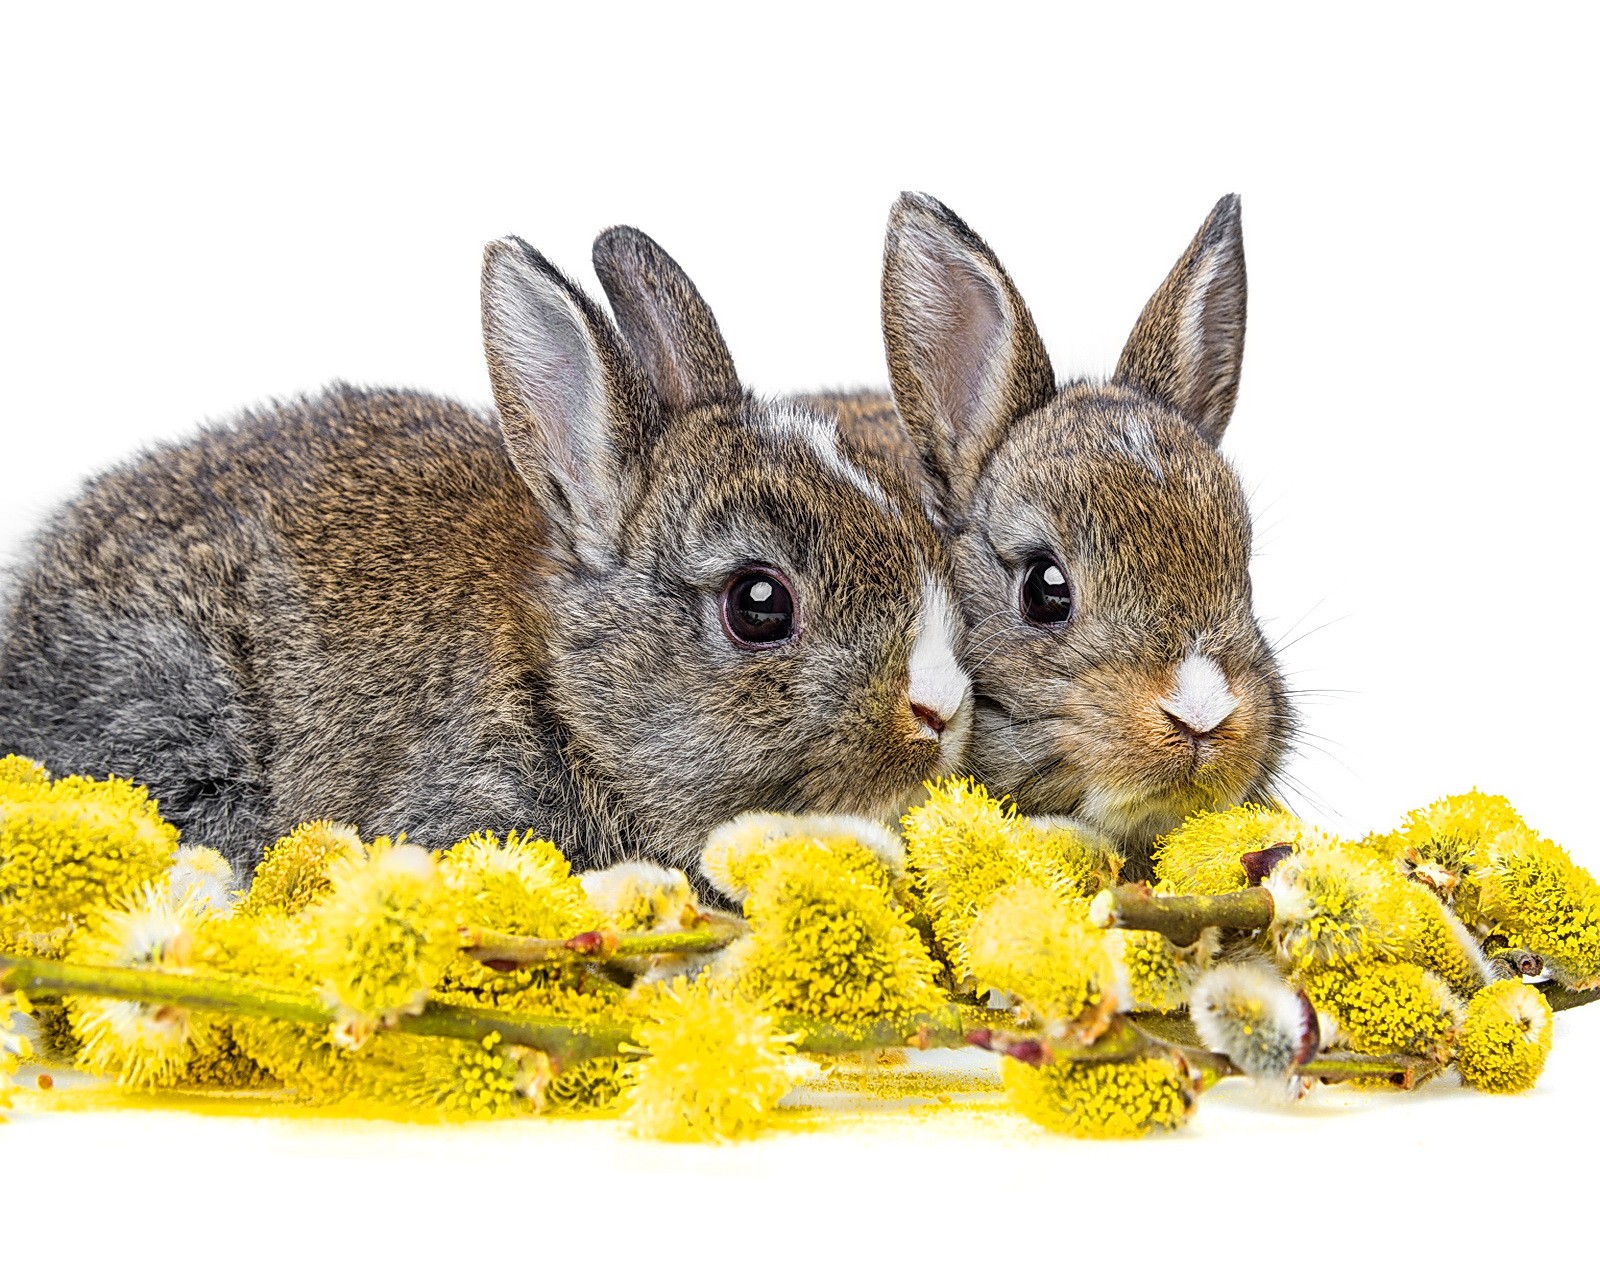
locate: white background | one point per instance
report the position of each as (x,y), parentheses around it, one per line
(205,209)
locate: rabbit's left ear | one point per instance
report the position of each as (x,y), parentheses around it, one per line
(665,320)
(1189,342)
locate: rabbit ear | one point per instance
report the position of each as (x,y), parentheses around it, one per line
(574,407)
(665,320)
(1189,342)
(964,356)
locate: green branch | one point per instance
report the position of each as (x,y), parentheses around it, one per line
(564,1041)
(509,951)
(1180,917)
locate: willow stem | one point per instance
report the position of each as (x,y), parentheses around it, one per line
(1560,997)
(1398,1068)
(1181,917)
(563,1041)
(509,951)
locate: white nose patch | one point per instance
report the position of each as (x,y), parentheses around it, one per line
(1200,695)
(937,680)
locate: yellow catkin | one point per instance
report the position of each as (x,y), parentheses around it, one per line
(1102,1099)
(1202,855)
(1158,975)
(1388,1008)
(293,873)
(595,1085)
(1040,948)
(14,1046)
(72,845)
(467,1080)
(716,1067)
(519,885)
(739,854)
(1532,893)
(137,1044)
(382,935)
(1505,1038)
(1334,907)
(963,847)
(828,942)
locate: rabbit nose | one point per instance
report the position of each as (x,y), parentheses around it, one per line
(1187,731)
(1200,700)
(930,718)
(936,686)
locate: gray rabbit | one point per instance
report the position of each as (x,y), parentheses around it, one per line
(1102,543)
(638,603)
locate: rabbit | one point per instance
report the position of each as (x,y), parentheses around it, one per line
(1101,541)
(634,603)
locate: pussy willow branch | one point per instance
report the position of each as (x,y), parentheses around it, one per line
(564,1041)
(1181,918)
(509,951)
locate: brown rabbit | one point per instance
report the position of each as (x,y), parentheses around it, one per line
(1102,543)
(637,604)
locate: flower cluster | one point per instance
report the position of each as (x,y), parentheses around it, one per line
(487,979)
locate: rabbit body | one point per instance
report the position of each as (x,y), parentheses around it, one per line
(383,608)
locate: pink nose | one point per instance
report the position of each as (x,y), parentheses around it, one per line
(929,717)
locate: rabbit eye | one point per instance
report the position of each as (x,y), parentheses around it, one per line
(1046,593)
(758,609)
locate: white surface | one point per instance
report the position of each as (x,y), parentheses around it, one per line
(209,208)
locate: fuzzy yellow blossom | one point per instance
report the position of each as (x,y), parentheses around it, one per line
(383,935)
(1429,934)
(14,1046)
(293,873)
(73,844)
(738,854)
(641,897)
(1202,855)
(521,885)
(1125,1099)
(1443,843)
(1158,975)
(1504,1038)
(138,1044)
(273,950)
(828,941)
(1033,944)
(717,1066)
(471,1080)
(20,775)
(1388,1008)
(963,847)
(203,876)
(1249,1014)
(1532,893)
(1331,907)
(593,1085)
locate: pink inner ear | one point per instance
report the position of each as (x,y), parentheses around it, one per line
(964,317)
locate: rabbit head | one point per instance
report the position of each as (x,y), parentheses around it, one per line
(737,612)
(1102,543)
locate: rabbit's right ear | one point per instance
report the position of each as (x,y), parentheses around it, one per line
(964,356)
(574,406)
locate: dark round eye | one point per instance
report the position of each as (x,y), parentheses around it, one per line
(1046,593)
(758,609)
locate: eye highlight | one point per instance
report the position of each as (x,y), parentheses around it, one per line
(1046,595)
(758,609)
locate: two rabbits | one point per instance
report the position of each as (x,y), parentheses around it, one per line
(639,600)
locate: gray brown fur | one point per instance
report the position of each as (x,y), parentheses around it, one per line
(384,608)
(1121,483)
